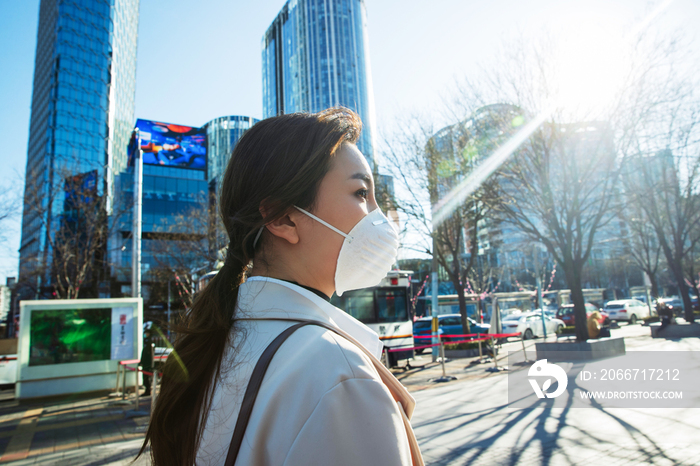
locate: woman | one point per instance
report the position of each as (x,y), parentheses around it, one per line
(595,330)
(594,325)
(297,201)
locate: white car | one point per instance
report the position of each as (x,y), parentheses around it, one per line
(530,324)
(630,310)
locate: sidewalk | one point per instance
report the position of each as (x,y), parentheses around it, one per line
(72,431)
(456,422)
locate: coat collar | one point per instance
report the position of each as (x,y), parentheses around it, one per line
(268,298)
(264,298)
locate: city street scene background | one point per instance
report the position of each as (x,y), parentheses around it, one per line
(539,159)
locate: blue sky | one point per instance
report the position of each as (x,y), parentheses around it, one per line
(201,60)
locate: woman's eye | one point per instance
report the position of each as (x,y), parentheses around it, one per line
(363,193)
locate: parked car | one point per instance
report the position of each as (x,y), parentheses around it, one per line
(448,324)
(630,310)
(510,311)
(547,312)
(530,324)
(566,314)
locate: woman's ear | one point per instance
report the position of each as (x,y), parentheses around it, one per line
(284,227)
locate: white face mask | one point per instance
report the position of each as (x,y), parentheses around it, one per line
(367,254)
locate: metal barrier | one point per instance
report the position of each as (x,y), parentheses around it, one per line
(441,344)
(123,366)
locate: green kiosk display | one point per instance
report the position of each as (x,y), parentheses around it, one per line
(73,346)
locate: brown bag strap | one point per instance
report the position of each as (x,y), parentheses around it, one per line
(251,392)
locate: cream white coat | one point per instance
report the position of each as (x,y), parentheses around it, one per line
(325,399)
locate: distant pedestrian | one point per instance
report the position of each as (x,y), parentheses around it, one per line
(147,360)
(594,325)
(595,329)
(665,313)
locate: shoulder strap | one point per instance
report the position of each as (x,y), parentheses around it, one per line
(251,392)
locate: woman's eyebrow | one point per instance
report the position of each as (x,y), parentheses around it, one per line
(361,176)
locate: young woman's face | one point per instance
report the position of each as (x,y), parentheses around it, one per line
(345,196)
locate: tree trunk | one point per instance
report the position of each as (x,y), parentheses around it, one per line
(678,274)
(462,305)
(654,285)
(573,280)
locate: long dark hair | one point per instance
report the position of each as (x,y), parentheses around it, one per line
(280,161)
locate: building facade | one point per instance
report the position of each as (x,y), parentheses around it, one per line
(222,135)
(315,55)
(181,232)
(81,115)
(174,205)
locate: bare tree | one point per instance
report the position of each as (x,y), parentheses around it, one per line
(9,208)
(70,206)
(666,157)
(644,247)
(8,205)
(558,175)
(673,209)
(560,193)
(692,270)
(189,245)
(428,164)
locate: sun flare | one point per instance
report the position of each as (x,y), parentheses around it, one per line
(589,69)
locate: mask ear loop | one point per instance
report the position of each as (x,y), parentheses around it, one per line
(257,237)
(344,235)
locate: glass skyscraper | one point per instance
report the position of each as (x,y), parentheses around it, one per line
(315,55)
(82,111)
(222,135)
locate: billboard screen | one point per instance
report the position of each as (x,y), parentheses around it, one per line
(69,335)
(59,336)
(172,145)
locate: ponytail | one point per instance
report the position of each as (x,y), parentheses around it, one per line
(202,339)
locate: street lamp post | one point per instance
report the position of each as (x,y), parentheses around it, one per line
(136,220)
(538,281)
(434,302)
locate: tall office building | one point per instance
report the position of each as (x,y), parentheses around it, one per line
(82,114)
(316,55)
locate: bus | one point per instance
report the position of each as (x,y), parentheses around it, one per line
(385,309)
(205,279)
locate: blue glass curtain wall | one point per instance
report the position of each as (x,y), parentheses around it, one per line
(315,56)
